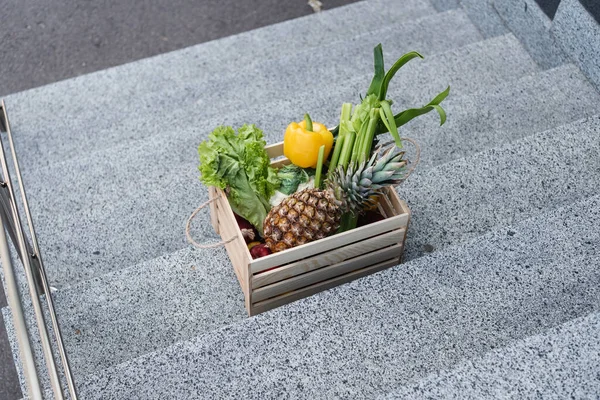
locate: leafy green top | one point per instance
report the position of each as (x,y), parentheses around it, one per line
(240,164)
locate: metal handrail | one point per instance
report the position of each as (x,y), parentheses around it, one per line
(14,301)
(32,257)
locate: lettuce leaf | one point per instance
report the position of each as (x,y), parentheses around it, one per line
(239,164)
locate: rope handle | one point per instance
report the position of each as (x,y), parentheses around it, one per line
(417,156)
(188,227)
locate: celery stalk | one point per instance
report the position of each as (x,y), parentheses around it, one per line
(347,149)
(342,133)
(358,145)
(319,167)
(367,141)
(337,151)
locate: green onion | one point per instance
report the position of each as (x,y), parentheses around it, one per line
(373,116)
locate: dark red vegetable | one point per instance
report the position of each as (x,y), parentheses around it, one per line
(248,231)
(260,250)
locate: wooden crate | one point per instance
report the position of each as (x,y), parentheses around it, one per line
(283,277)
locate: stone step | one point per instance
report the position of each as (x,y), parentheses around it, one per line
(558,364)
(503,113)
(253,88)
(462,199)
(485,17)
(34,338)
(531,25)
(113,311)
(391,328)
(116,207)
(86,103)
(577,31)
(119,316)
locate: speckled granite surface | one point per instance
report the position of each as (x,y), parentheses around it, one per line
(391,327)
(91,307)
(249,91)
(122,315)
(465,198)
(91,94)
(485,17)
(529,23)
(505,197)
(100,310)
(112,209)
(163,301)
(503,113)
(562,363)
(578,34)
(444,5)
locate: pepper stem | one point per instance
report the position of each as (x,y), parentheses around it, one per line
(308,121)
(319,167)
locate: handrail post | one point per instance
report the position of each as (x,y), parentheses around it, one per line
(14,301)
(33,265)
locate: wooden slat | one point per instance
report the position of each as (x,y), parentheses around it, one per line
(387,207)
(329,258)
(399,204)
(325,273)
(235,249)
(329,243)
(227,213)
(269,304)
(275,150)
(233,254)
(214,213)
(280,163)
(402,207)
(387,204)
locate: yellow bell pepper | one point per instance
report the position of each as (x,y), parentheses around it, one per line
(301,143)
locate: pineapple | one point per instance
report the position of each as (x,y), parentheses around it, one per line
(313,214)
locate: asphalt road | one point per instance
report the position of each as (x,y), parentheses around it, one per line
(44,41)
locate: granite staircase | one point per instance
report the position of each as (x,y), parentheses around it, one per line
(499,294)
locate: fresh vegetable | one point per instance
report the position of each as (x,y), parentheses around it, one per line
(358,128)
(248,231)
(278,196)
(313,214)
(291,176)
(302,141)
(260,250)
(239,164)
(319,171)
(252,244)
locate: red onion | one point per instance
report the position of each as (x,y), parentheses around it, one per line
(260,250)
(248,231)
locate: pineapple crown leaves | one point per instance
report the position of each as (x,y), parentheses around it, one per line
(355,185)
(388,167)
